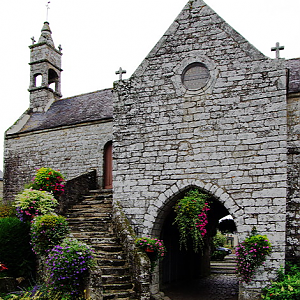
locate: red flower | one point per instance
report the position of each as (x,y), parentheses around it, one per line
(3,267)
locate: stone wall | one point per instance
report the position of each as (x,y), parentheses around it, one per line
(293,199)
(228,138)
(73,150)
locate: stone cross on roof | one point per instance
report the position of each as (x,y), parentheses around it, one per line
(33,40)
(120,72)
(277,48)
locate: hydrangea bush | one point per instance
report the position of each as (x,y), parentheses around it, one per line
(68,266)
(48,231)
(191,219)
(250,254)
(31,203)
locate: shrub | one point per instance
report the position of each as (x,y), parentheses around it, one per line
(49,180)
(287,286)
(31,203)
(218,255)
(15,250)
(48,231)
(219,240)
(7,210)
(191,219)
(251,254)
(68,266)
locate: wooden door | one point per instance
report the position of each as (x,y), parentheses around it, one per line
(108,166)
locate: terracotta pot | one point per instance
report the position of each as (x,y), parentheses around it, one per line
(149,250)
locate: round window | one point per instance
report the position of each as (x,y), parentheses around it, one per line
(195,76)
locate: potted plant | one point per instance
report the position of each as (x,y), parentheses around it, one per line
(250,254)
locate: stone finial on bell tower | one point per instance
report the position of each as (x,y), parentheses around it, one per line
(45,71)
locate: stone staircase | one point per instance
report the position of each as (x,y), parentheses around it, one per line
(226,266)
(91,222)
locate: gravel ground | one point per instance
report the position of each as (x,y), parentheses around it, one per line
(214,287)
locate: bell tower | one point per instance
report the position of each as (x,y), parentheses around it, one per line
(45,71)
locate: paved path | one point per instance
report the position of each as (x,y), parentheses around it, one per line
(214,287)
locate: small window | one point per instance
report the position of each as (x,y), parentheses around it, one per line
(38,79)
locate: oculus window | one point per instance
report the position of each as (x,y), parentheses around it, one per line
(195,76)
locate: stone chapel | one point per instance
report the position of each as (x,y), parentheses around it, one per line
(205,109)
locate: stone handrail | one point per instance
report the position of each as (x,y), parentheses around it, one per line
(138,260)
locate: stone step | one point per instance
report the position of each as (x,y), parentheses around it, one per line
(112,262)
(108,248)
(99,240)
(92,202)
(91,209)
(118,295)
(85,236)
(90,226)
(108,255)
(99,218)
(118,286)
(114,279)
(116,270)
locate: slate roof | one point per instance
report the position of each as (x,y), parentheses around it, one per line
(74,110)
(293,66)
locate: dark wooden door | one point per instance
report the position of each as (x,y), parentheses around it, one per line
(108,166)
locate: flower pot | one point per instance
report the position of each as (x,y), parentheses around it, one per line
(149,250)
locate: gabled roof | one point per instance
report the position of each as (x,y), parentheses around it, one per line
(293,66)
(89,107)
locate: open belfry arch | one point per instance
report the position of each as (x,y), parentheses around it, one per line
(205,109)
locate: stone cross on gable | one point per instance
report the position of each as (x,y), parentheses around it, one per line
(277,48)
(33,40)
(120,72)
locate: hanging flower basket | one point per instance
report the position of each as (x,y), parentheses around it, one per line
(154,248)
(191,219)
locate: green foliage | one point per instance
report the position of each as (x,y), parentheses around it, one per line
(287,286)
(40,294)
(7,210)
(191,219)
(68,265)
(48,231)
(49,180)
(32,203)
(218,255)
(219,240)
(15,250)
(251,254)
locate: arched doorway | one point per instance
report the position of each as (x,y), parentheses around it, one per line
(108,165)
(182,268)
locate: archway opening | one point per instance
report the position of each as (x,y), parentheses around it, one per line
(53,80)
(181,266)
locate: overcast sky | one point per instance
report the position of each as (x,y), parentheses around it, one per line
(99,36)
